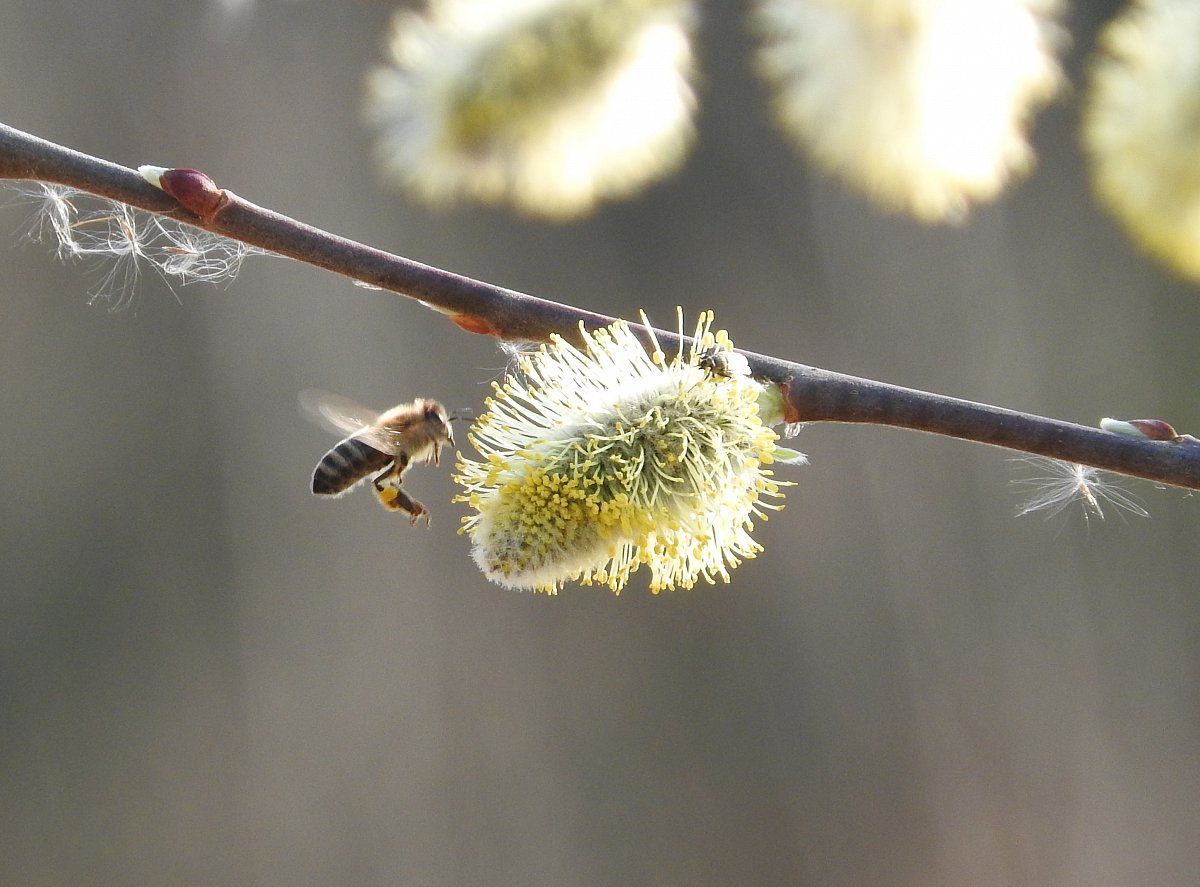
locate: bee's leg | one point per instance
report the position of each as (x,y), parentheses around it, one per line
(391,497)
(387,487)
(415,509)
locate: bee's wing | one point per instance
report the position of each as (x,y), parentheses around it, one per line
(341,415)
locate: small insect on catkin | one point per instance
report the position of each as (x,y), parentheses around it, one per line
(601,459)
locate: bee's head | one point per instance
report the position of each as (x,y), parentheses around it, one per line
(438,420)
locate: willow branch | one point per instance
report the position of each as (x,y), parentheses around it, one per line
(810,394)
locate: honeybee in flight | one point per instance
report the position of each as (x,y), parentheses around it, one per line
(386,443)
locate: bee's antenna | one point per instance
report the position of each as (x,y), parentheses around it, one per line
(463,414)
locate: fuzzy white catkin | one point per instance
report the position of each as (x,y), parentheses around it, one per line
(1142,127)
(598,460)
(546,105)
(921,105)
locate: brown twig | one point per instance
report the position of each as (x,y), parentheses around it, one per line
(810,394)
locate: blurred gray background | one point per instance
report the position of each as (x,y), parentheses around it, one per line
(209,676)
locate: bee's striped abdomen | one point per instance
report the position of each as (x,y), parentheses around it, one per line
(345,465)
